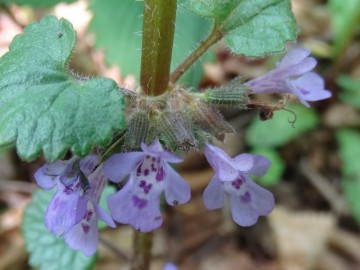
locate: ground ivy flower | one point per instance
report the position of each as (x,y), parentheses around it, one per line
(170,266)
(293,75)
(67,205)
(84,235)
(232,176)
(138,202)
(74,210)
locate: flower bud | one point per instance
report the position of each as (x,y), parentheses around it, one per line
(175,129)
(137,130)
(209,119)
(235,94)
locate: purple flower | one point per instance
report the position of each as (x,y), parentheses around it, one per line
(84,235)
(170,266)
(74,210)
(232,175)
(138,202)
(293,75)
(67,205)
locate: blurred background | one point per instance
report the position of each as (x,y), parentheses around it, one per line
(315,172)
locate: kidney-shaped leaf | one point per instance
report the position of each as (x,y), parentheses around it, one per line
(252,27)
(42,108)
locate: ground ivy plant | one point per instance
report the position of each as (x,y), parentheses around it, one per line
(109,133)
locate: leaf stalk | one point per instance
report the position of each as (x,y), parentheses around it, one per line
(213,37)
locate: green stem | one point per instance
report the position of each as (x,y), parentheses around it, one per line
(142,247)
(112,148)
(214,37)
(157,43)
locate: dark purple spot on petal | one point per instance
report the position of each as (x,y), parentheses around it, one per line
(146,172)
(68,190)
(144,186)
(88,215)
(246,197)
(138,202)
(175,202)
(237,183)
(147,188)
(153,159)
(142,183)
(85,227)
(153,168)
(157,218)
(160,174)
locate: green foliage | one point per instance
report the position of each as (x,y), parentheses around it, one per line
(42,107)
(252,27)
(350,90)
(122,38)
(349,146)
(279,131)
(345,21)
(276,170)
(47,252)
(36,3)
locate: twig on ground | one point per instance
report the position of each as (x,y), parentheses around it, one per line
(325,188)
(17,186)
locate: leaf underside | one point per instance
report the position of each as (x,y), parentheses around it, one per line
(349,147)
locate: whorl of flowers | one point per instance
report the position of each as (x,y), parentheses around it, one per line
(156,127)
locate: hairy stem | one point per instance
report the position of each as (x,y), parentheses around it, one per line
(214,37)
(157,43)
(142,247)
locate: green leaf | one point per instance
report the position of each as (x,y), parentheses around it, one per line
(345,19)
(122,38)
(42,107)
(350,90)
(349,146)
(47,252)
(274,175)
(278,131)
(351,190)
(37,3)
(252,27)
(349,143)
